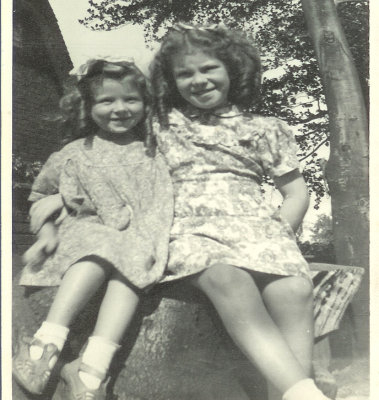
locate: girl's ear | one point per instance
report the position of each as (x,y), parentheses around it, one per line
(147,109)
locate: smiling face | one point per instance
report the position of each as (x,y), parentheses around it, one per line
(201,80)
(117,106)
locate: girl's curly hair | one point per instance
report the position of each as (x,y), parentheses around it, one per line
(76,103)
(240,56)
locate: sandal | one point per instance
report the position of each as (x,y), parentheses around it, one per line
(71,387)
(33,375)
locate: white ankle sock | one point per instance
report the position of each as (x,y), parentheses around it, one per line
(304,389)
(49,333)
(52,333)
(98,355)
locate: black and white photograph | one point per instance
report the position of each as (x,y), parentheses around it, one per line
(186,200)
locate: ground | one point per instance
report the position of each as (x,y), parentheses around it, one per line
(353,381)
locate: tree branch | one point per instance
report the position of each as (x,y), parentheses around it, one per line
(313,117)
(336,2)
(315,149)
(304,135)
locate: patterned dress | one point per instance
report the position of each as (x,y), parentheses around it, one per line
(220,215)
(120,209)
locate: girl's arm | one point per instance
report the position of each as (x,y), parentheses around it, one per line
(295,197)
(46,229)
(43,209)
(43,247)
(46,202)
(45,190)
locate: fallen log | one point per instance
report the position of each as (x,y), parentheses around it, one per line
(177,348)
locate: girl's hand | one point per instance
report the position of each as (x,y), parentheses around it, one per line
(43,209)
(37,254)
(43,247)
(62,216)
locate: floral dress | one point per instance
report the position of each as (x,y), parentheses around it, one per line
(220,215)
(120,209)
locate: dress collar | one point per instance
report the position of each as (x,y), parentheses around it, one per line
(210,117)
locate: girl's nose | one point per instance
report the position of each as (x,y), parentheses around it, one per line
(120,106)
(199,79)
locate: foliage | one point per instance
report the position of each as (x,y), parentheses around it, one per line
(320,246)
(294,91)
(322,230)
(24,172)
(318,252)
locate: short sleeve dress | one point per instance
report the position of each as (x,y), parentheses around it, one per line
(120,207)
(220,214)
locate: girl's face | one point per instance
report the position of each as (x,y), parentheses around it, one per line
(117,106)
(201,79)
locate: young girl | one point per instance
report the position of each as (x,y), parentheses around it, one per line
(238,250)
(118,199)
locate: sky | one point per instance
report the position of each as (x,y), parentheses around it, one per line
(83,43)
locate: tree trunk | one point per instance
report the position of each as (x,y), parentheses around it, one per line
(347,168)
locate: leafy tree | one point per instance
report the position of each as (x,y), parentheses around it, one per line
(320,245)
(295,92)
(322,230)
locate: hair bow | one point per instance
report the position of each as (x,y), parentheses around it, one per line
(181,27)
(82,70)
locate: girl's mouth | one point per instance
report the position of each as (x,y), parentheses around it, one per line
(202,92)
(119,119)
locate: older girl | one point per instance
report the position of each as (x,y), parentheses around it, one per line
(240,251)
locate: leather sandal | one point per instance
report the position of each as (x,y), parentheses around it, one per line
(71,387)
(33,375)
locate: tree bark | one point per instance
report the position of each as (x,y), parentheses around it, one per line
(347,168)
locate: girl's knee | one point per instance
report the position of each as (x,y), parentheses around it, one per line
(97,263)
(223,279)
(300,289)
(93,267)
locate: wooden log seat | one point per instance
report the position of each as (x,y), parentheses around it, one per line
(177,348)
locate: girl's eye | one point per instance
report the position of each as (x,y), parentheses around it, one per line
(210,67)
(104,100)
(183,74)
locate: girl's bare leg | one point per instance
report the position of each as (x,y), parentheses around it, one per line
(239,304)
(289,301)
(79,284)
(117,309)
(116,312)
